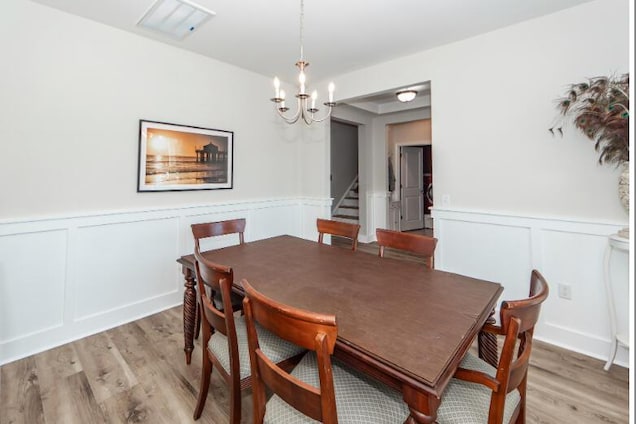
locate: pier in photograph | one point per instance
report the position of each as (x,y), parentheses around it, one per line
(210,153)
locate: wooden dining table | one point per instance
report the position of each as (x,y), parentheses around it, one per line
(398,321)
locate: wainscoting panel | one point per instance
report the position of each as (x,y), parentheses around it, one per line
(377,206)
(123,264)
(472,248)
(576,260)
(33,268)
(85,274)
(504,248)
(273,221)
(310,210)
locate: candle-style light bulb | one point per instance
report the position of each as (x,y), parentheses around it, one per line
(314,96)
(332,88)
(282,95)
(276,84)
(302,78)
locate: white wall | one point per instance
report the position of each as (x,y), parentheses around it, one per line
(492,102)
(80,249)
(519,198)
(73,91)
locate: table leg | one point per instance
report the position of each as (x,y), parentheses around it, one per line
(189,312)
(422,407)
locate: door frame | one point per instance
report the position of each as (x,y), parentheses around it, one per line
(395,197)
(404,212)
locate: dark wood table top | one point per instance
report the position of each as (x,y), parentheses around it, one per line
(415,321)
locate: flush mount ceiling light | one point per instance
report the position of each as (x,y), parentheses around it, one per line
(406,95)
(175,18)
(304,110)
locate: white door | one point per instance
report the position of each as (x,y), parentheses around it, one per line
(411,189)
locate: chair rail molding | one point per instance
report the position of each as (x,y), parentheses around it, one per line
(505,248)
(89,272)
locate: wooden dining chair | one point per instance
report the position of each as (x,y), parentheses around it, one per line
(219,228)
(215,229)
(483,394)
(415,243)
(340,229)
(224,339)
(319,388)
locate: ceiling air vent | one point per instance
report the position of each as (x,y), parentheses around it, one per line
(175,18)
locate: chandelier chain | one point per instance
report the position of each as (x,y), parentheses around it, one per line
(301,30)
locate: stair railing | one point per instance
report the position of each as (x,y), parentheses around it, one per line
(339,202)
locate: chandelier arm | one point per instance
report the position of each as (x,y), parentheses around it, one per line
(306,119)
(325,117)
(289,119)
(304,113)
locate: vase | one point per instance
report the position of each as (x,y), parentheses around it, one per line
(623,194)
(623,186)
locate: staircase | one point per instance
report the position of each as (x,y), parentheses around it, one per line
(347,209)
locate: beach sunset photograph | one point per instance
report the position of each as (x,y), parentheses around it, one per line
(183,158)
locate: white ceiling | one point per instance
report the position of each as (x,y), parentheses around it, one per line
(339,35)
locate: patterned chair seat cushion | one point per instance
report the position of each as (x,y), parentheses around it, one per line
(274,347)
(359,399)
(468,403)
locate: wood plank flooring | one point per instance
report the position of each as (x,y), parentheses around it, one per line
(136,373)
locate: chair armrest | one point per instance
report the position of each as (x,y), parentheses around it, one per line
(478,377)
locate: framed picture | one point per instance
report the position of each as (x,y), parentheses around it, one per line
(180,157)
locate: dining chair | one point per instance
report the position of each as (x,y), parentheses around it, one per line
(224,339)
(215,229)
(482,394)
(318,388)
(415,243)
(219,228)
(340,229)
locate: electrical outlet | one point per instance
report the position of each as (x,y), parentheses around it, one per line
(564,291)
(446,200)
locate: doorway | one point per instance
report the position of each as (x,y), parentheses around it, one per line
(344,172)
(415,188)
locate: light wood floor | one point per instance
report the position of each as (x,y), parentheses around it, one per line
(136,373)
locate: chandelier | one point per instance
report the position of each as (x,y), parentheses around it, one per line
(306,109)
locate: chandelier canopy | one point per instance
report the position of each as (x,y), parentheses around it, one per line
(305,109)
